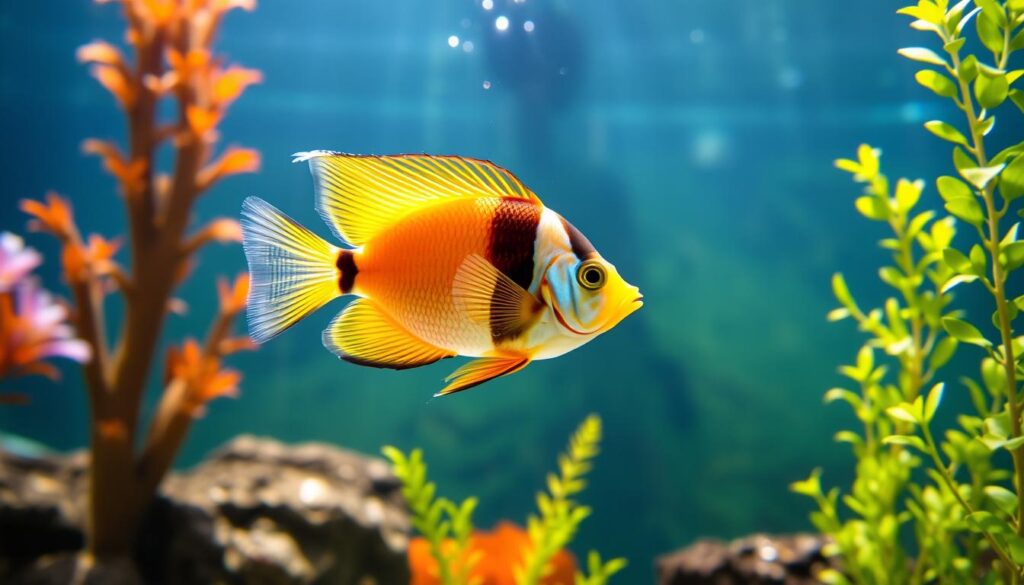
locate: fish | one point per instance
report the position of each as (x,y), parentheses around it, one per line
(447,256)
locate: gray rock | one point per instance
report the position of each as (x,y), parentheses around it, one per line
(256,511)
(759,559)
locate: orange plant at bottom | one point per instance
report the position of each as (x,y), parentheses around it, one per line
(497,553)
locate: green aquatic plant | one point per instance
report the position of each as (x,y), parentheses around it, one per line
(929,506)
(448,527)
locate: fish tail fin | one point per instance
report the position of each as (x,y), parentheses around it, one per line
(293,272)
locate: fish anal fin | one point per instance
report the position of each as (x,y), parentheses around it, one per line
(365,335)
(481,370)
(489,297)
(359,196)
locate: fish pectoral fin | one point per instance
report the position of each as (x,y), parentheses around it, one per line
(489,297)
(481,370)
(365,335)
(359,196)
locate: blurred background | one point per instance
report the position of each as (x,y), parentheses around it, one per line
(692,141)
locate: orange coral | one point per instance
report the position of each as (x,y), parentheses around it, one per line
(170,55)
(229,83)
(497,554)
(54,216)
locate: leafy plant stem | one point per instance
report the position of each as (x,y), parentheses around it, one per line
(948,480)
(998,277)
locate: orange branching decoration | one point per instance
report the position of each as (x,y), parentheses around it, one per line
(169,55)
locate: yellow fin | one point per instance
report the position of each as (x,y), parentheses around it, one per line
(481,370)
(489,297)
(364,335)
(292,271)
(358,196)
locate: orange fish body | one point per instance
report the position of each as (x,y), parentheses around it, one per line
(449,256)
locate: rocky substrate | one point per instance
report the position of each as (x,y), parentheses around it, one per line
(759,559)
(256,511)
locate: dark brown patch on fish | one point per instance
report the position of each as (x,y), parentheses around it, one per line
(347,267)
(513,235)
(581,246)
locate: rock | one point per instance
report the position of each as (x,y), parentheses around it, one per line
(256,511)
(759,559)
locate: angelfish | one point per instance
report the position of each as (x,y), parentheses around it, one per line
(447,255)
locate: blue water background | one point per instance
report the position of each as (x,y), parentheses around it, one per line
(692,141)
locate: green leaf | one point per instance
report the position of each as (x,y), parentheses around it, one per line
(842,293)
(962,160)
(847,437)
(978,262)
(925,11)
(843,394)
(868,158)
(1011,181)
(964,332)
(998,426)
(810,486)
(966,209)
(1016,546)
(1017,97)
(956,260)
(968,69)
(932,404)
(922,55)
(980,177)
(937,82)
(951,188)
(942,353)
(994,377)
(993,10)
(954,46)
(982,521)
(845,164)
(916,225)
(907,194)
(946,132)
(989,32)
(1017,42)
(872,207)
(991,90)
(837,314)
(891,276)
(908,440)
(1014,255)
(956,281)
(904,412)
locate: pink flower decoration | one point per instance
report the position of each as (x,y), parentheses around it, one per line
(33,325)
(16,261)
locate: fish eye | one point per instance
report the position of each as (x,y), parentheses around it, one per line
(591,275)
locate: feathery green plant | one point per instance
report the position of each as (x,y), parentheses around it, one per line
(962,517)
(437,519)
(559,517)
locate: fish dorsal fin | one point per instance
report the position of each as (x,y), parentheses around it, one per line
(490,298)
(358,196)
(364,335)
(481,370)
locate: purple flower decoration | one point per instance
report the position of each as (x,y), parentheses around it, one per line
(16,261)
(33,324)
